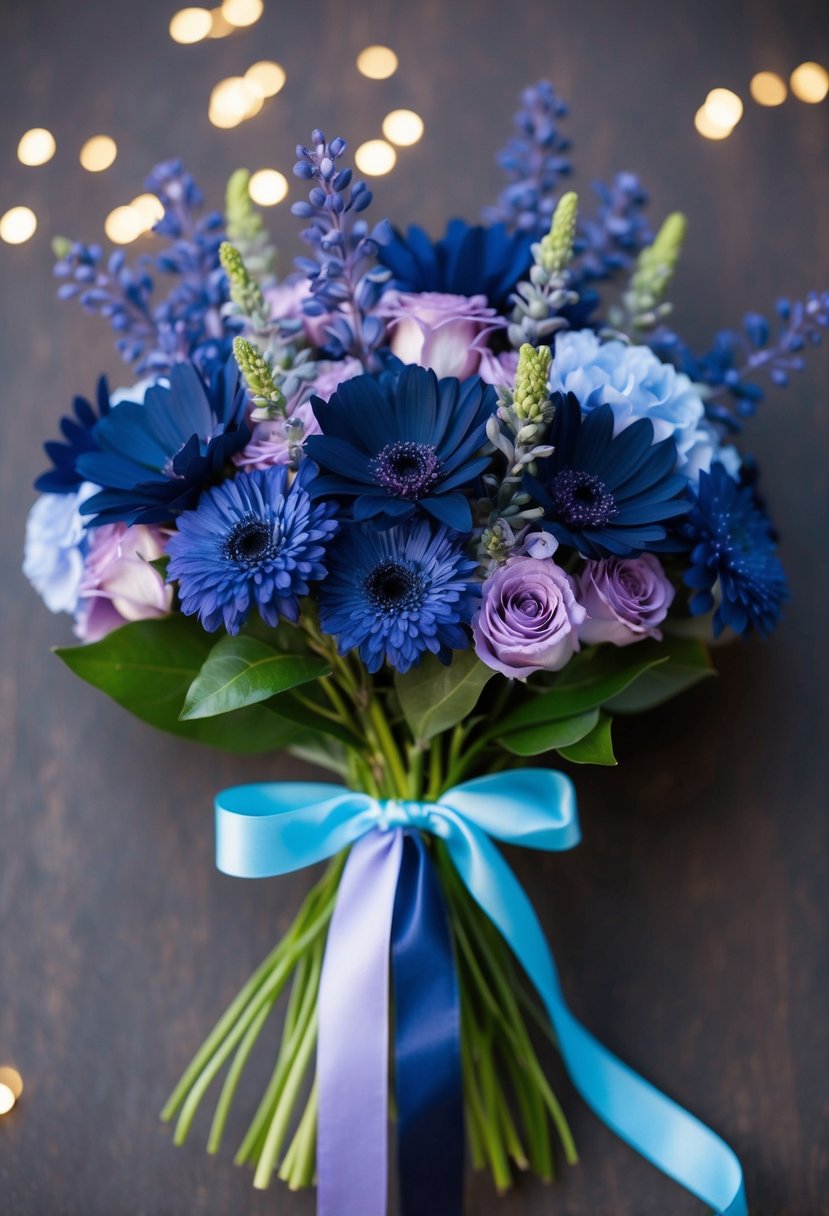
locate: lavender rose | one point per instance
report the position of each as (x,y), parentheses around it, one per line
(529,618)
(626,599)
(118,582)
(445,332)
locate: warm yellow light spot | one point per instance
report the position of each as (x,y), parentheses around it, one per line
(18,225)
(36,147)
(810,82)
(12,1079)
(375,157)
(703,123)
(98,153)
(403,127)
(377,62)
(242,12)
(190,25)
(266,76)
(268,187)
(233,100)
(724,108)
(124,224)
(219,26)
(150,209)
(7,1099)
(767,89)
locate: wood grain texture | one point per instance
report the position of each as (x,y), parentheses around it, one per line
(691,926)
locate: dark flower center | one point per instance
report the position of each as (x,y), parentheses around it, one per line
(393,587)
(250,541)
(407,470)
(582,499)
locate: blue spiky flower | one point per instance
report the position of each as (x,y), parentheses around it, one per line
(470,260)
(398,593)
(154,457)
(608,494)
(733,544)
(78,437)
(252,541)
(396,444)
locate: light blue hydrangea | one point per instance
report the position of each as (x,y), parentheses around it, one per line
(54,549)
(636,384)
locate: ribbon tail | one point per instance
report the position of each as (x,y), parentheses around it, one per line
(428,1081)
(352,1052)
(657,1127)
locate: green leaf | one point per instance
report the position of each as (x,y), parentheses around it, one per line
(593,681)
(242,671)
(147,667)
(160,564)
(324,753)
(549,736)
(686,664)
(287,706)
(435,698)
(595,748)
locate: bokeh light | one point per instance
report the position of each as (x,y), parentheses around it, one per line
(242,13)
(403,127)
(768,89)
(150,208)
(707,128)
(17,225)
(266,76)
(124,224)
(98,153)
(810,82)
(268,187)
(7,1099)
(375,157)
(723,108)
(220,27)
(233,100)
(36,147)
(190,25)
(377,62)
(12,1079)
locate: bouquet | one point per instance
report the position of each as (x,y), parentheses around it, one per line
(418,513)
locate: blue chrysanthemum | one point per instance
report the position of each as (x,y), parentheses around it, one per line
(154,457)
(733,543)
(395,594)
(468,261)
(78,433)
(399,443)
(254,540)
(604,493)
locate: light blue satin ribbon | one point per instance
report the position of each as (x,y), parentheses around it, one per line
(270,829)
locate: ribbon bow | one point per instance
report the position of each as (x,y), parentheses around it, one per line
(270,829)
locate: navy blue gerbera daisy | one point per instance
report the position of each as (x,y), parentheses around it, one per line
(153,458)
(604,493)
(733,543)
(399,443)
(78,434)
(398,593)
(254,540)
(468,261)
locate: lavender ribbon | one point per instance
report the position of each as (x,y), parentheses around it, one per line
(352,1052)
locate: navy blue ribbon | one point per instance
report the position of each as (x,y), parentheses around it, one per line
(427,1049)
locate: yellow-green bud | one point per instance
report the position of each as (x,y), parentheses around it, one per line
(531,379)
(257,372)
(557,246)
(655,267)
(245,292)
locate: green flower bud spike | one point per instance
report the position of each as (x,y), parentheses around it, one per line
(556,248)
(654,270)
(245,227)
(530,395)
(245,292)
(61,245)
(267,397)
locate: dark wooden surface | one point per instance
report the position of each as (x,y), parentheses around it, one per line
(691,925)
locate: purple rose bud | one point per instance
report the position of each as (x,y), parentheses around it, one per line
(447,333)
(529,618)
(626,599)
